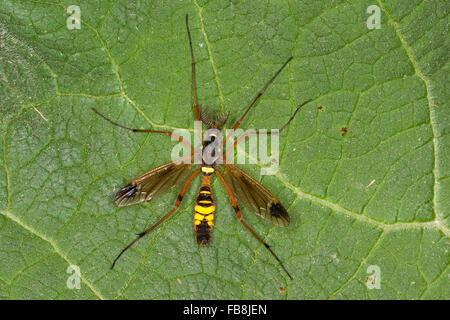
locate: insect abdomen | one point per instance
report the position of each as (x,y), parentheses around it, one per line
(204,213)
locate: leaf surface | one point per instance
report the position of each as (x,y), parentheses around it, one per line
(364,169)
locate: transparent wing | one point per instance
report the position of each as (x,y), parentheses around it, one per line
(254,196)
(152,183)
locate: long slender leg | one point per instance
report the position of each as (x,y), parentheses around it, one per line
(239,216)
(196,113)
(168,133)
(194,98)
(246,134)
(260,93)
(177,204)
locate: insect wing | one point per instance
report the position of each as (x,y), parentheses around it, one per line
(152,183)
(255,196)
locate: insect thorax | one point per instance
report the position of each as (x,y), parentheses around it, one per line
(212,150)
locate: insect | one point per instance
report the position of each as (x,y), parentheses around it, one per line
(238,184)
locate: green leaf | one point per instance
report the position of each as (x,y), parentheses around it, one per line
(377,195)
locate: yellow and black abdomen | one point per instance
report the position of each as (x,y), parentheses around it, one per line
(204,213)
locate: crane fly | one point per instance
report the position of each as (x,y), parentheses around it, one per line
(239,186)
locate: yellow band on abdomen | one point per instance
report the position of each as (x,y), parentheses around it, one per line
(204,210)
(207,170)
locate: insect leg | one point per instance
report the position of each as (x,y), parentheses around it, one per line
(196,113)
(239,216)
(293,115)
(260,93)
(246,134)
(177,204)
(168,133)
(194,98)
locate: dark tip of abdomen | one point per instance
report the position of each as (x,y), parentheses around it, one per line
(203,234)
(204,240)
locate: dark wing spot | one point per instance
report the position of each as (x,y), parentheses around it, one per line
(277,210)
(128,191)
